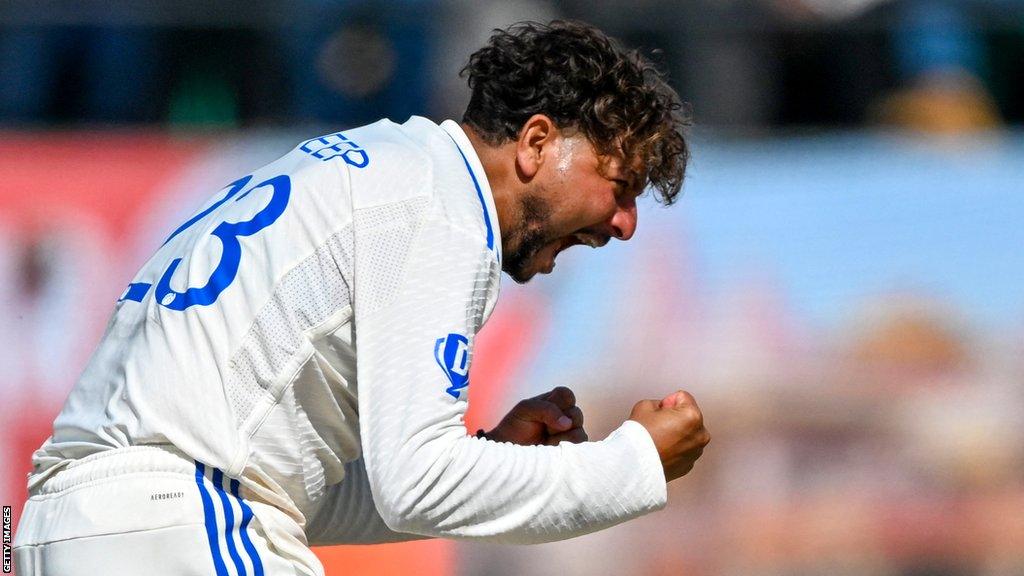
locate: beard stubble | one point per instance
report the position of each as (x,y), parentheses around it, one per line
(528,238)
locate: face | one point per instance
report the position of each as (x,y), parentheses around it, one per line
(574,197)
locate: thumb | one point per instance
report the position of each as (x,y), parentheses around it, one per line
(677,398)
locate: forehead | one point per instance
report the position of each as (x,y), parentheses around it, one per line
(612,165)
(583,156)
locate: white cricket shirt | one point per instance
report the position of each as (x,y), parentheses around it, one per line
(310,330)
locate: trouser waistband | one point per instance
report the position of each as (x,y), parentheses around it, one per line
(117,462)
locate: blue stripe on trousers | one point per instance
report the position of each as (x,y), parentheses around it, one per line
(229,521)
(210,519)
(257,564)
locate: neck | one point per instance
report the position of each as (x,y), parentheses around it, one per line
(499,166)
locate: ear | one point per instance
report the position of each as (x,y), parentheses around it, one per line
(535,138)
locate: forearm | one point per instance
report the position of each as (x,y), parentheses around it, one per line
(464,487)
(427,475)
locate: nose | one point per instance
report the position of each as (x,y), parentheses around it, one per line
(624,222)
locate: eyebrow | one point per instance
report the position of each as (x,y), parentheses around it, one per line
(631,177)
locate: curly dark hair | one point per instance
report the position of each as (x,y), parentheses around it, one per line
(581,79)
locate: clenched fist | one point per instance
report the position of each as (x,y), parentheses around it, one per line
(550,418)
(677,427)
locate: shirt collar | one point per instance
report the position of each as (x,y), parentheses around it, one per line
(477,173)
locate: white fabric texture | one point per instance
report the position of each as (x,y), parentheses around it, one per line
(347,514)
(141,509)
(427,476)
(316,378)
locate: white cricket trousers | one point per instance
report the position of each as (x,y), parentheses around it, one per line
(147,510)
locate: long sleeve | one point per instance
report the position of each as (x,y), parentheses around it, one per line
(415,328)
(347,514)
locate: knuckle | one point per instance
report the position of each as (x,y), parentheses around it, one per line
(692,415)
(704,438)
(553,412)
(698,419)
(565,393)
(689,401)
(697,414)
(539,408)
(536,403)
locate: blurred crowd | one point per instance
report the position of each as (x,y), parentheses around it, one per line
(932,65)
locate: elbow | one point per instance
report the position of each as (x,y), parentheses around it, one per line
(406,496)
(413,488)
(399,506)
(401,521)
(393,508)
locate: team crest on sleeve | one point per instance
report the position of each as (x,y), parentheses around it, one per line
(452,355)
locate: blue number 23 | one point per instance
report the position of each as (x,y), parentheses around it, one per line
(228,233)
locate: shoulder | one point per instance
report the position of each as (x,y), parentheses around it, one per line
(421,161)
(416,167)
(378,163)
(391,163)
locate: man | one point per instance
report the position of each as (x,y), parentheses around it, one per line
(291,367)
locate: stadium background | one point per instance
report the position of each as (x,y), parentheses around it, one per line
(841,287)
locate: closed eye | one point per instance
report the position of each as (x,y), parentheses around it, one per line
(624,187)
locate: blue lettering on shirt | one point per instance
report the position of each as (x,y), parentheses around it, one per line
(336,145)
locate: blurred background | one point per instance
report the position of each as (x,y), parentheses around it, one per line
(841,286)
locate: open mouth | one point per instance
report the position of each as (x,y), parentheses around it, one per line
(578,238)
(546,256)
